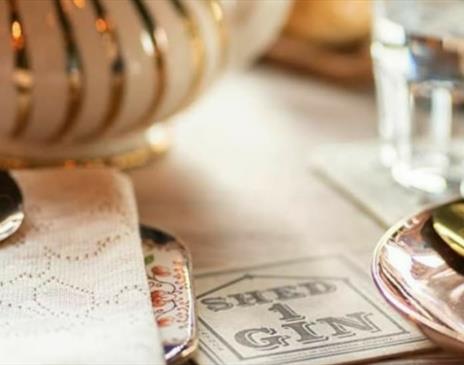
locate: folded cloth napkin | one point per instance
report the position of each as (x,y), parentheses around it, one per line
(73,288)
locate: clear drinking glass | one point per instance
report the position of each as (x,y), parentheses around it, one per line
(418,53)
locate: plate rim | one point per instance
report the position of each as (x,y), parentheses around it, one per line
(386,293)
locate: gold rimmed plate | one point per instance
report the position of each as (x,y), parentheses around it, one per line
(423,279)
(168,268)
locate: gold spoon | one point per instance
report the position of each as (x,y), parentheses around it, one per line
(448,222)
(11,205)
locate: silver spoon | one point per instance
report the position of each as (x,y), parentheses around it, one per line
(11,205)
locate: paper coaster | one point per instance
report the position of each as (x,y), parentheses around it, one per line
(315,310)
(355,170)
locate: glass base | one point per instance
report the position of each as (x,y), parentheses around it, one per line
(125,153)
(432,180)
(387,154)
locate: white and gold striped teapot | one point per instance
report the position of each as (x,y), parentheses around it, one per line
(87,81)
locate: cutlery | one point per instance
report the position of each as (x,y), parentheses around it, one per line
(169,275)
(11,205)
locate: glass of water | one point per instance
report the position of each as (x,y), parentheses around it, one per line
(418,53)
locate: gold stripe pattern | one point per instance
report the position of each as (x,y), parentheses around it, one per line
(74,70)
(107,31)
(198,49)
(22,75)
(218,15)
(158,39)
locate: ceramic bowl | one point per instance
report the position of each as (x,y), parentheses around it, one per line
(90,81)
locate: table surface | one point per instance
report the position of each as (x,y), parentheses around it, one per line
(237,184)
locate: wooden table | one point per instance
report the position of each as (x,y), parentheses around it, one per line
(237,185)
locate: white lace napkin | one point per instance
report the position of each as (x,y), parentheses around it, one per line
(72,282)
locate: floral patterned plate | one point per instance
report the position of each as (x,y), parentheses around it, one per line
(167,263)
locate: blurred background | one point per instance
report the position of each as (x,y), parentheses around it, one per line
(329,39)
